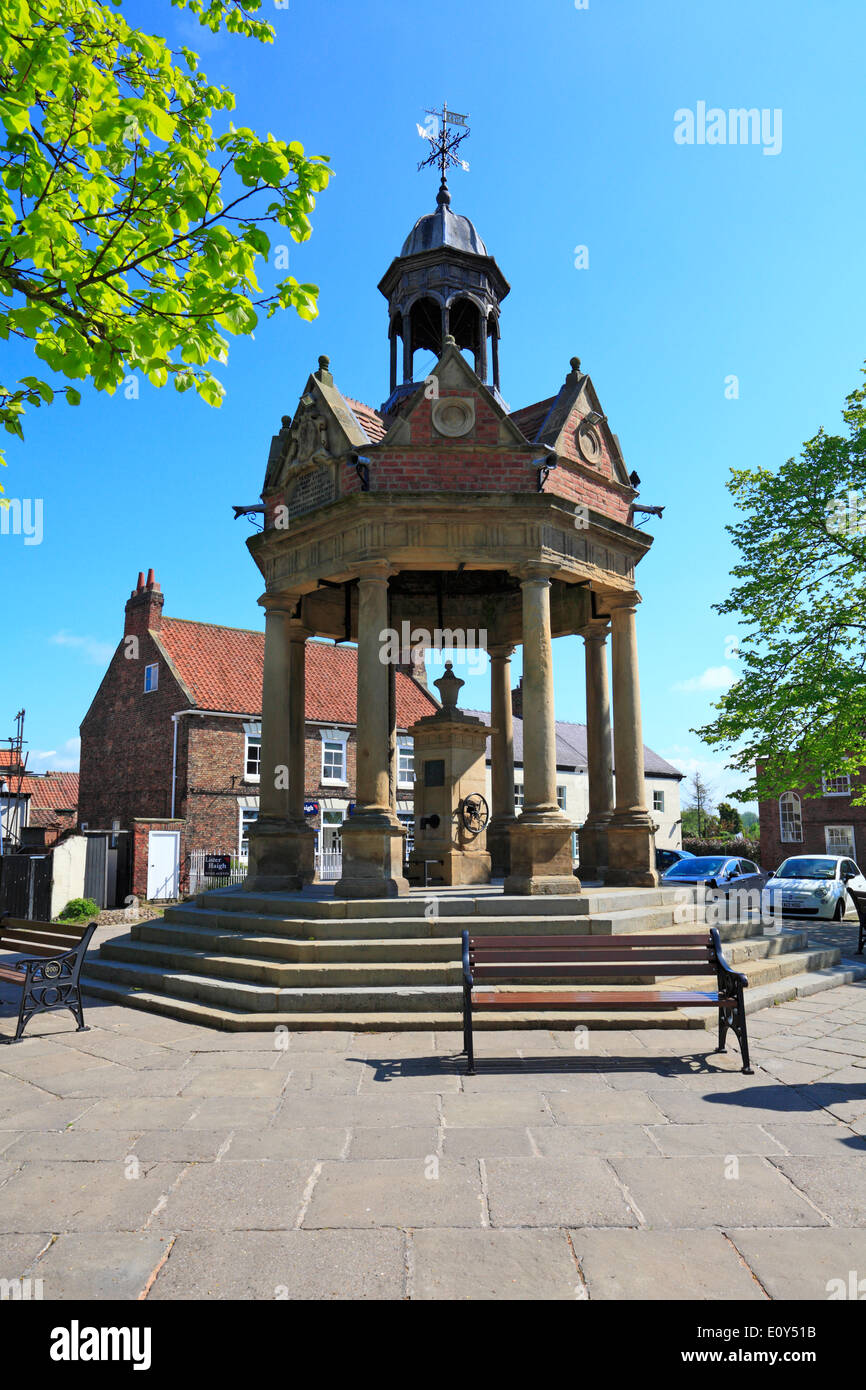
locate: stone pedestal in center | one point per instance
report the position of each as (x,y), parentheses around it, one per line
(451,811)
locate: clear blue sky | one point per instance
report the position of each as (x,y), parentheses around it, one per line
(704,261)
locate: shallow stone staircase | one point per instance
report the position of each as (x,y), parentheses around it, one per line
(239,960)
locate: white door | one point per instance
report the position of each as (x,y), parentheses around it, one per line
(163,855)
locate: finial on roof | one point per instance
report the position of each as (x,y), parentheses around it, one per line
(575,365)
(324,372)
(449,341)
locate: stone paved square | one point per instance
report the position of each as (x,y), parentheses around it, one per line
(343,1167)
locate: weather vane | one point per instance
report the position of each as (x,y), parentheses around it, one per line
(445,141)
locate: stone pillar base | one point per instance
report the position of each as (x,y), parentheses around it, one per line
(281,856)
(594,853)
(372,858)
(541,859)
(499,846)
(631,852)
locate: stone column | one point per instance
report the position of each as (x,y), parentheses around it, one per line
(407,347)
(593,832)
(541,858)
(372,836)
(502,815)
(281,846)
(630,834)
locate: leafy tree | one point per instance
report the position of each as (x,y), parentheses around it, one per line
(129,229)
(799,707)
(729,819)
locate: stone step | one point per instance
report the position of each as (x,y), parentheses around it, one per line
(446,949)
(332,949)
(449,903)
(400,928)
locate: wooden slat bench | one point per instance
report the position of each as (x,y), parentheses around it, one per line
(615,962)
(48,970)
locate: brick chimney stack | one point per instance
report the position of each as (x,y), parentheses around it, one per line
(144,607)
(517,700)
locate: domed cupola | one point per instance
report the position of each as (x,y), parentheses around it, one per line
(443,282)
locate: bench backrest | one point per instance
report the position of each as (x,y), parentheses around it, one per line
(42,938)
(859,901)
(587,957)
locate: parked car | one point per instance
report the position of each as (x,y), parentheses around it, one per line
(665,858)
(815,885)
(717,871)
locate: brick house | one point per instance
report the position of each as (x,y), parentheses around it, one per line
(170,745)
(36,808)
(795,823)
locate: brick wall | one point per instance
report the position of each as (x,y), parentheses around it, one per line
(817,813)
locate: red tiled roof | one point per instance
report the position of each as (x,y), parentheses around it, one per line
(373,424)
(222,669)
(53,791)
(530,418)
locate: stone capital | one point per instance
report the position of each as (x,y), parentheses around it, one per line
(290,604)
(618,602)
(377,570)
(535,571)
(500,651)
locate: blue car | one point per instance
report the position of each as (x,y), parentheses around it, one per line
(717,871)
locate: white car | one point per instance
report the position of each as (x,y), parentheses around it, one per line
(814,885)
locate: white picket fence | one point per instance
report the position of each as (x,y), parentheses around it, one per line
(329,866)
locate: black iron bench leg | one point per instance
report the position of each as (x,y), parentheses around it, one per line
(77,1011)
(724,1025)
(467,1033)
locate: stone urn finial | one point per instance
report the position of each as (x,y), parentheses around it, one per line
(449,688)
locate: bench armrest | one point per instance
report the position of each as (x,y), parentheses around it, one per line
(467,970)
(722,963)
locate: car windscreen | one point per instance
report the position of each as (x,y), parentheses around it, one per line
(697,867)
(807,868)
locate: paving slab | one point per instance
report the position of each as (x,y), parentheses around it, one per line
(396,1192)
(407,1141)
(496,1108)
(249,1082)
(132,1114)
(607,1108)
(492,1264)
(72,1145)
(17,1253)
(662,1265)
(95,1196)
(826,1263)
(237,1195)
(298,1265)
(231,1112)
(686,1193)
(836,1188)
(181,1145)
(103,1265)
(556,1192)
(301,1109)
(316,1143)
(831,1141)
(492,1141)
(751,1105)
(563,1141)
(682,1141)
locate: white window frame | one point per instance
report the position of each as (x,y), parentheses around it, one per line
(790,800)
(848,851)
(829,789)
(518,796)
(152,667)
(405,741)
(335,736)
(561,797)
(658,800)
(242,812)
(252,736)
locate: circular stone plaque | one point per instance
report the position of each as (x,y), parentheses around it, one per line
(453,416)
(588,443)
